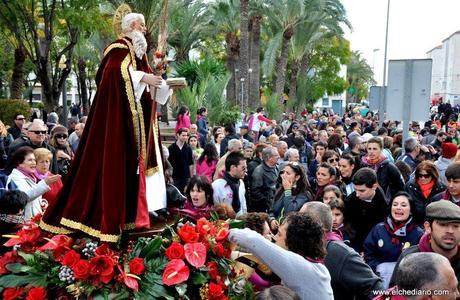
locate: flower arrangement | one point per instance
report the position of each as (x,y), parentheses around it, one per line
(186,261)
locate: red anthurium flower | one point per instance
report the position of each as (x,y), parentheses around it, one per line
(57,241)
(195,253)
(28,234)
(188,234)
(175,272)
(7,258)
(223,232)
(129,280)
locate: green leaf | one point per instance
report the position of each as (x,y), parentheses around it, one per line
(153,247)
(158,291)
(19,268)
(237,224)
(17,280)
(29,258)
(181,289)
(199,278)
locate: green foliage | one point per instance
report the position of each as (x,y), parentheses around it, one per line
(359,76)
(274,107)
(194,70)
(8,108)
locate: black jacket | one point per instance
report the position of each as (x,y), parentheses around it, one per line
(388,177)
(363,215)
(263,188)
(351,277)
(224,143)
(419,201)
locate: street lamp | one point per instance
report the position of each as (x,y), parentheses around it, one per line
(63,66)
(383,102)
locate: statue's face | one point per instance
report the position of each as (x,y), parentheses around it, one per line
(138,25)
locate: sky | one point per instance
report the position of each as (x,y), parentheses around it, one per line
(415,27)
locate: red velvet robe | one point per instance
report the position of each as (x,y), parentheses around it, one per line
(102,194)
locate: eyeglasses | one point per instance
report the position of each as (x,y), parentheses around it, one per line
(424,175)
(332,160)
(61,136)
(38,131)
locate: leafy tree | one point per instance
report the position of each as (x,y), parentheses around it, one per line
(49,31)
(359,76)
(194,71)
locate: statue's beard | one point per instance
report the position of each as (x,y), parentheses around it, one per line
(139,43)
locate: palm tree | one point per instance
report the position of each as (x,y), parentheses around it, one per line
(359,76)
(188,24)
(225,20)
(244,52)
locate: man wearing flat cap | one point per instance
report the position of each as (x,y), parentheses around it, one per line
(442,234)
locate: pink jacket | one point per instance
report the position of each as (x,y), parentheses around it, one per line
(183,122)
(204,169)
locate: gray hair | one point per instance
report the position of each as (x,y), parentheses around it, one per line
(289,152)
(410,144)
(129,19)
(280,143)
(268,152)
(232,144)
(321,212)
(53,117)
(420,271)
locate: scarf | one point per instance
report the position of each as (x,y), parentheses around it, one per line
(334,236)
(426,188)
(234,184)
(27,173)
(41,176)
(374,163)
(12,219)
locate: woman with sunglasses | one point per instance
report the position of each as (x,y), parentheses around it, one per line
(59,140)
(294,191)
(425,188)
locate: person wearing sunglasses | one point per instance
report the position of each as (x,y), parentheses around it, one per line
(36,133)
(59,140)
(425,188)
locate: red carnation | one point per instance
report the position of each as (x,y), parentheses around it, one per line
(37,293)
(12,293)
(81,269)
(219,250)
(136,266)
(175,272)
(213,269)
(70,258)
(175,251)
(188,234)
(216,292)
(102,268)
(195,253)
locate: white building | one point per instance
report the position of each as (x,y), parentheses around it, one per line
(335,102)
(445,81)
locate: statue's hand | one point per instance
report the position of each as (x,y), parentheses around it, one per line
(152,80)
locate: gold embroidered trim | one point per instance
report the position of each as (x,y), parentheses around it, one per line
(53,229)
(130,226)
(111,238)
(113,46)
(131,52)
(152,171)
(131,99)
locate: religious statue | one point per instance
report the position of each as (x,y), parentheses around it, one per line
(116,177)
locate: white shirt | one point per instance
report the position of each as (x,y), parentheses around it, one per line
(224,194)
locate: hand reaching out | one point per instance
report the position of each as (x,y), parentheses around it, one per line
(152,80)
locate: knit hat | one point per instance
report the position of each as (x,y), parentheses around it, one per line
(59,129)
(443,210)
(449,150)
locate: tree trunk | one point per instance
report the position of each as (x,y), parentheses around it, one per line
(304,64)
(233,49)
(293,85)
(82,77)
(254,87)
(244,53)
(17,79)
(280,69)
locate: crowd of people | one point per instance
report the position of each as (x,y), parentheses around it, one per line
(335,207)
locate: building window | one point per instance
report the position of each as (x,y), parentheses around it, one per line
(325,102)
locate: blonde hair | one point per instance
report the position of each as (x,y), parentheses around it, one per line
(42,153)
(3,131)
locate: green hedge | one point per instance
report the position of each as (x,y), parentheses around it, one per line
(9,107)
